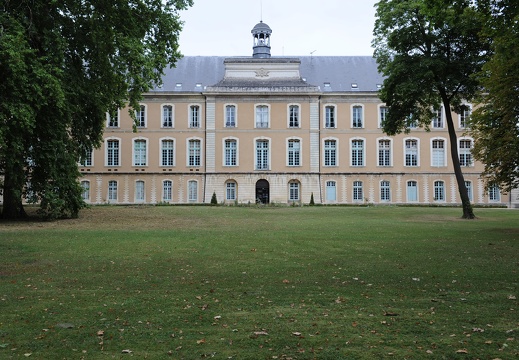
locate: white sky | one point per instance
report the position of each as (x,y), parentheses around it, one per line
(327,27)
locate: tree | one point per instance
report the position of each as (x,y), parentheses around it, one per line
(214,201)
(64,64)
(495,125)
(429,51)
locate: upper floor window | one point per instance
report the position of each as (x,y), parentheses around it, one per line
(230,116)
(167,152)
(357,152)
(194,153)
(439,191)
(86,160)
(294,153)
(330,153)
(262,154)
(437,121)
(357,116)
(139,152)
(411,152)
(231,152)
(167,116)
(382,115)
(384,152)
(140,115)
(438,153)
(329,117)
(465,152)
(262,116)
(465,116)
(112,118)
(112,153)
(194,116)
(293,116)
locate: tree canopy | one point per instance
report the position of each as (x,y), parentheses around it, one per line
(429,52)
(63,65)
(495,125)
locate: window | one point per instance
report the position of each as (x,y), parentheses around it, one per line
(112,190)
(438,153)
(141,116)
(411,152)
(293,191)
(329,112)
(464,116)
(262,116)
(167,190)
(384,152)
(468,185)
(167,116)
(230,116)
(194,116)
(230,152)
(262,155)
(85,190)
(437,121)
(86,160)
(357,121)
(385,191)
(112,153)
(493,193)
(357,191)
(194,151)
(331,191)
(293,116)
(167,152)
(294,153)
(139,191)
(412,191)
(465,153)
(139,153)
(382,115)
(330,153)
(112,118)
(439,191)
(230,190)
(192,187)
(357,153)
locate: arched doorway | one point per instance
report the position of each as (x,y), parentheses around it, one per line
(262,191)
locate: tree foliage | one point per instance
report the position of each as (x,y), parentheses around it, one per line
(495,125)
(63,65)
(429,51)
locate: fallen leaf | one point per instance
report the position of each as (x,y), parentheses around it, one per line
(296,333)
(390,313)
(261,333)
(201,341)
(285,281)
(27,354)
(462,351)
(126,351)
(100,333)
(511,297)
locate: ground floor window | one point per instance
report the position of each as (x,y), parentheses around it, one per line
(439,191)
(412,191)
(493,193)
(192,191)
(293,191)
(357,191)
(112,190)
(331,191)
(167,192)
(230,190)
(385,192)
(85,190)
(468,185)
(139,191)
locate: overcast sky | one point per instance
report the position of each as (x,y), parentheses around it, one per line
(299,27)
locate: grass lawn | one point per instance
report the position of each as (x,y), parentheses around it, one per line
(261,283)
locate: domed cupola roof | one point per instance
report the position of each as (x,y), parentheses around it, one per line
(261,46)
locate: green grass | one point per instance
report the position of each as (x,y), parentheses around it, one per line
(262,283)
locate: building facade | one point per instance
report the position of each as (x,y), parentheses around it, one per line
(275,130)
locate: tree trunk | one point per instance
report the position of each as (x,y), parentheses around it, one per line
(468,213)
(13,185)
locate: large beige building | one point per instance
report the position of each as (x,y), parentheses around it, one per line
(275,130)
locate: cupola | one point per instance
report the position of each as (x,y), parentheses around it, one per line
(261,35)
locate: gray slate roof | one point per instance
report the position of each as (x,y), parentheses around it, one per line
(340,72)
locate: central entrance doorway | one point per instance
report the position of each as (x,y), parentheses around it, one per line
(262,191)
